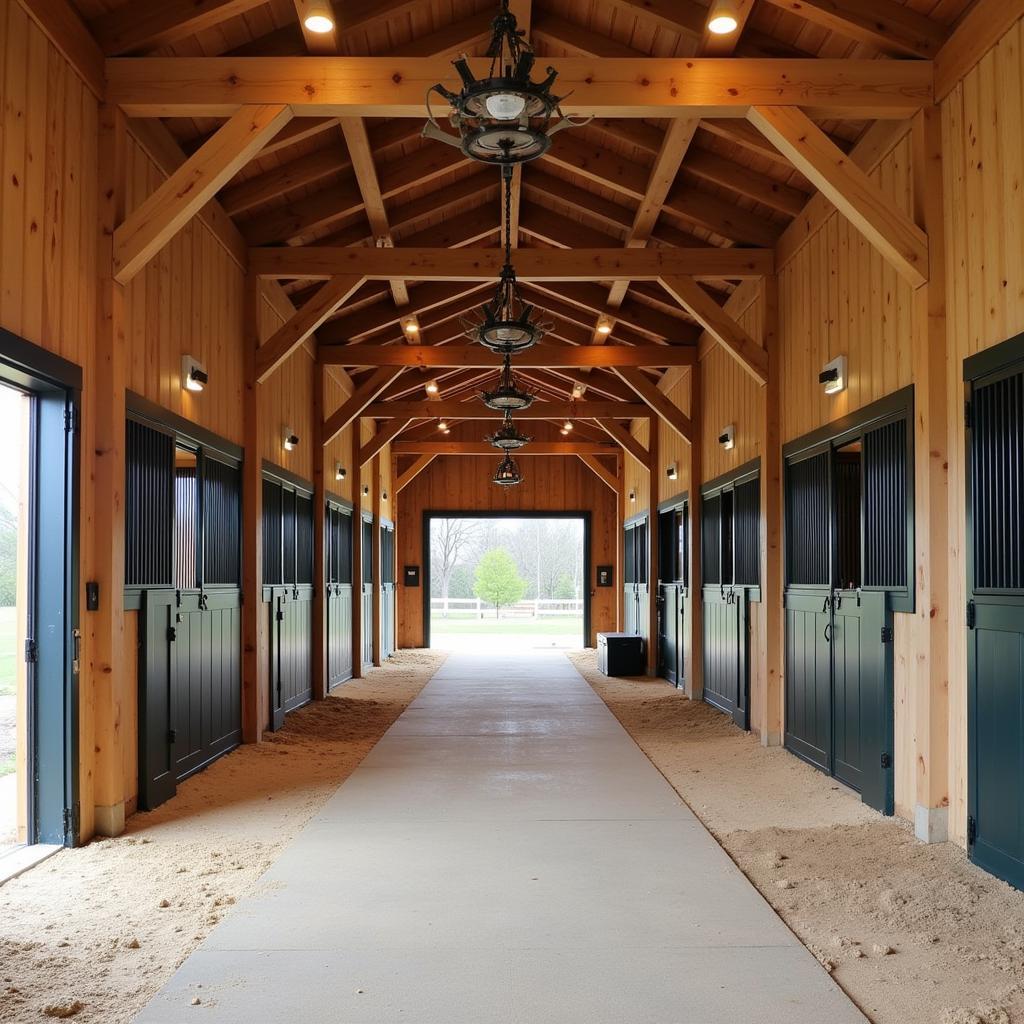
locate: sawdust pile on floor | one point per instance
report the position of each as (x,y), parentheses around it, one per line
(915,934)
(91,935)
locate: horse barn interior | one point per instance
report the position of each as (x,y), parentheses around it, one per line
(737,290)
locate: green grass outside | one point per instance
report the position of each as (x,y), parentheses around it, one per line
(8,652)
(7,767)
(549,625)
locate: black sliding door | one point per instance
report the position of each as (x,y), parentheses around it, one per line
(339,594)
(673,531)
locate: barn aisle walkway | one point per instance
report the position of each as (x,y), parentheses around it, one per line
(505,854)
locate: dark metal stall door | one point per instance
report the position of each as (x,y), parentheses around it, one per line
(672,592)
(288,589)
(726,657)
(838,603)
(387,597)
(995,615)
(339,595)
(367,591)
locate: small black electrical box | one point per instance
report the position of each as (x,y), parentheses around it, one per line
(605,575)
(620,654)
(92,596)
(411,576)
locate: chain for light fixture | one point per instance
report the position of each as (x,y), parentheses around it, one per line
(507,436)
(504,118)
(507,323)
(508,394)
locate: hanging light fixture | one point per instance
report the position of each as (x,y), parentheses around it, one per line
(507,395)
(504,118)
(507,323)
(507,474)
(507,436)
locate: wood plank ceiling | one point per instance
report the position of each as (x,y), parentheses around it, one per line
(613,183)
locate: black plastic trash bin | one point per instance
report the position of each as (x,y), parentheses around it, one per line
(620,654)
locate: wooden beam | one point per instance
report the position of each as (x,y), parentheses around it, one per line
(290,335)
(149,227)
(634,88)
(900,241)
(483,448)
(601,471)
(149,24)
(297,262)
(61,24)
(740,179)
(406,478)
(354,405)
(717,322)
(659,402)
(453,39)
(544,355)
(384,436)
(626,441)
(473,410)
(354,129)
(884,24)
(663,174)
(984,24)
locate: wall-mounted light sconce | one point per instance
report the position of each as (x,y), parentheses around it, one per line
(722,18)
(632,495)
(193,374)
(290,441)
(366,490)
(604,325)
(384,496)
(833,376)
(318,18)
(431,387)
(339,471)
(727,438)
(672,471)
(410,325)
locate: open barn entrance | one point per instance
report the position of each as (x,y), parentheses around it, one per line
(506,582)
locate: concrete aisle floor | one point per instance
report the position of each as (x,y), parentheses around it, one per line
(505,855)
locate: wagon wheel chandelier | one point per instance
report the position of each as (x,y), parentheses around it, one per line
(507,437)
(508,394)
(505,118)
(507,474)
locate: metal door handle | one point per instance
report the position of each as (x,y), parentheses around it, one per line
(828,633)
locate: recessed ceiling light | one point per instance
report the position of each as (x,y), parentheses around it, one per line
(410,325)
(432,388)
(722,24)
(604,326)
(319,23)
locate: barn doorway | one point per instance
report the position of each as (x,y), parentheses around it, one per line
(506,581)
(38,641)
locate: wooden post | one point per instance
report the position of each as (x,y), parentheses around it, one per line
(357,555)
(375,546)
(255,670)
(694,628)
(319,539)
(653,559)
(104,526)
(770,714)
(620,544)
(931,620)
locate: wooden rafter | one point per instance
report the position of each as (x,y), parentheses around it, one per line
(476,355)
(385,435)
(891,231)
(354,405)
(626,441)
(720,325)
(159,217)
(473,410)
(601,471)
(483,448)
(647,87)
(405,478)
(470,264)
(291,334)
(660,403)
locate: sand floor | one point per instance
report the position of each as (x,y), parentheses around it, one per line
(92,934)
(913,933)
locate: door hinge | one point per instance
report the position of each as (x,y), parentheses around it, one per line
(887,634)
(967,415)
(71,820)
(31,651)
(971,615)
(172,634)
(972,831)
(887,761)
(172,736)
(70,419)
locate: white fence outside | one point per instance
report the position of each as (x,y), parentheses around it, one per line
(473,607)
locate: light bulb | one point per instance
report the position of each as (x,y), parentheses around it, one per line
(505,106)
(567,427)
(722,24)
(432,388)
(604,326)
(319,23)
